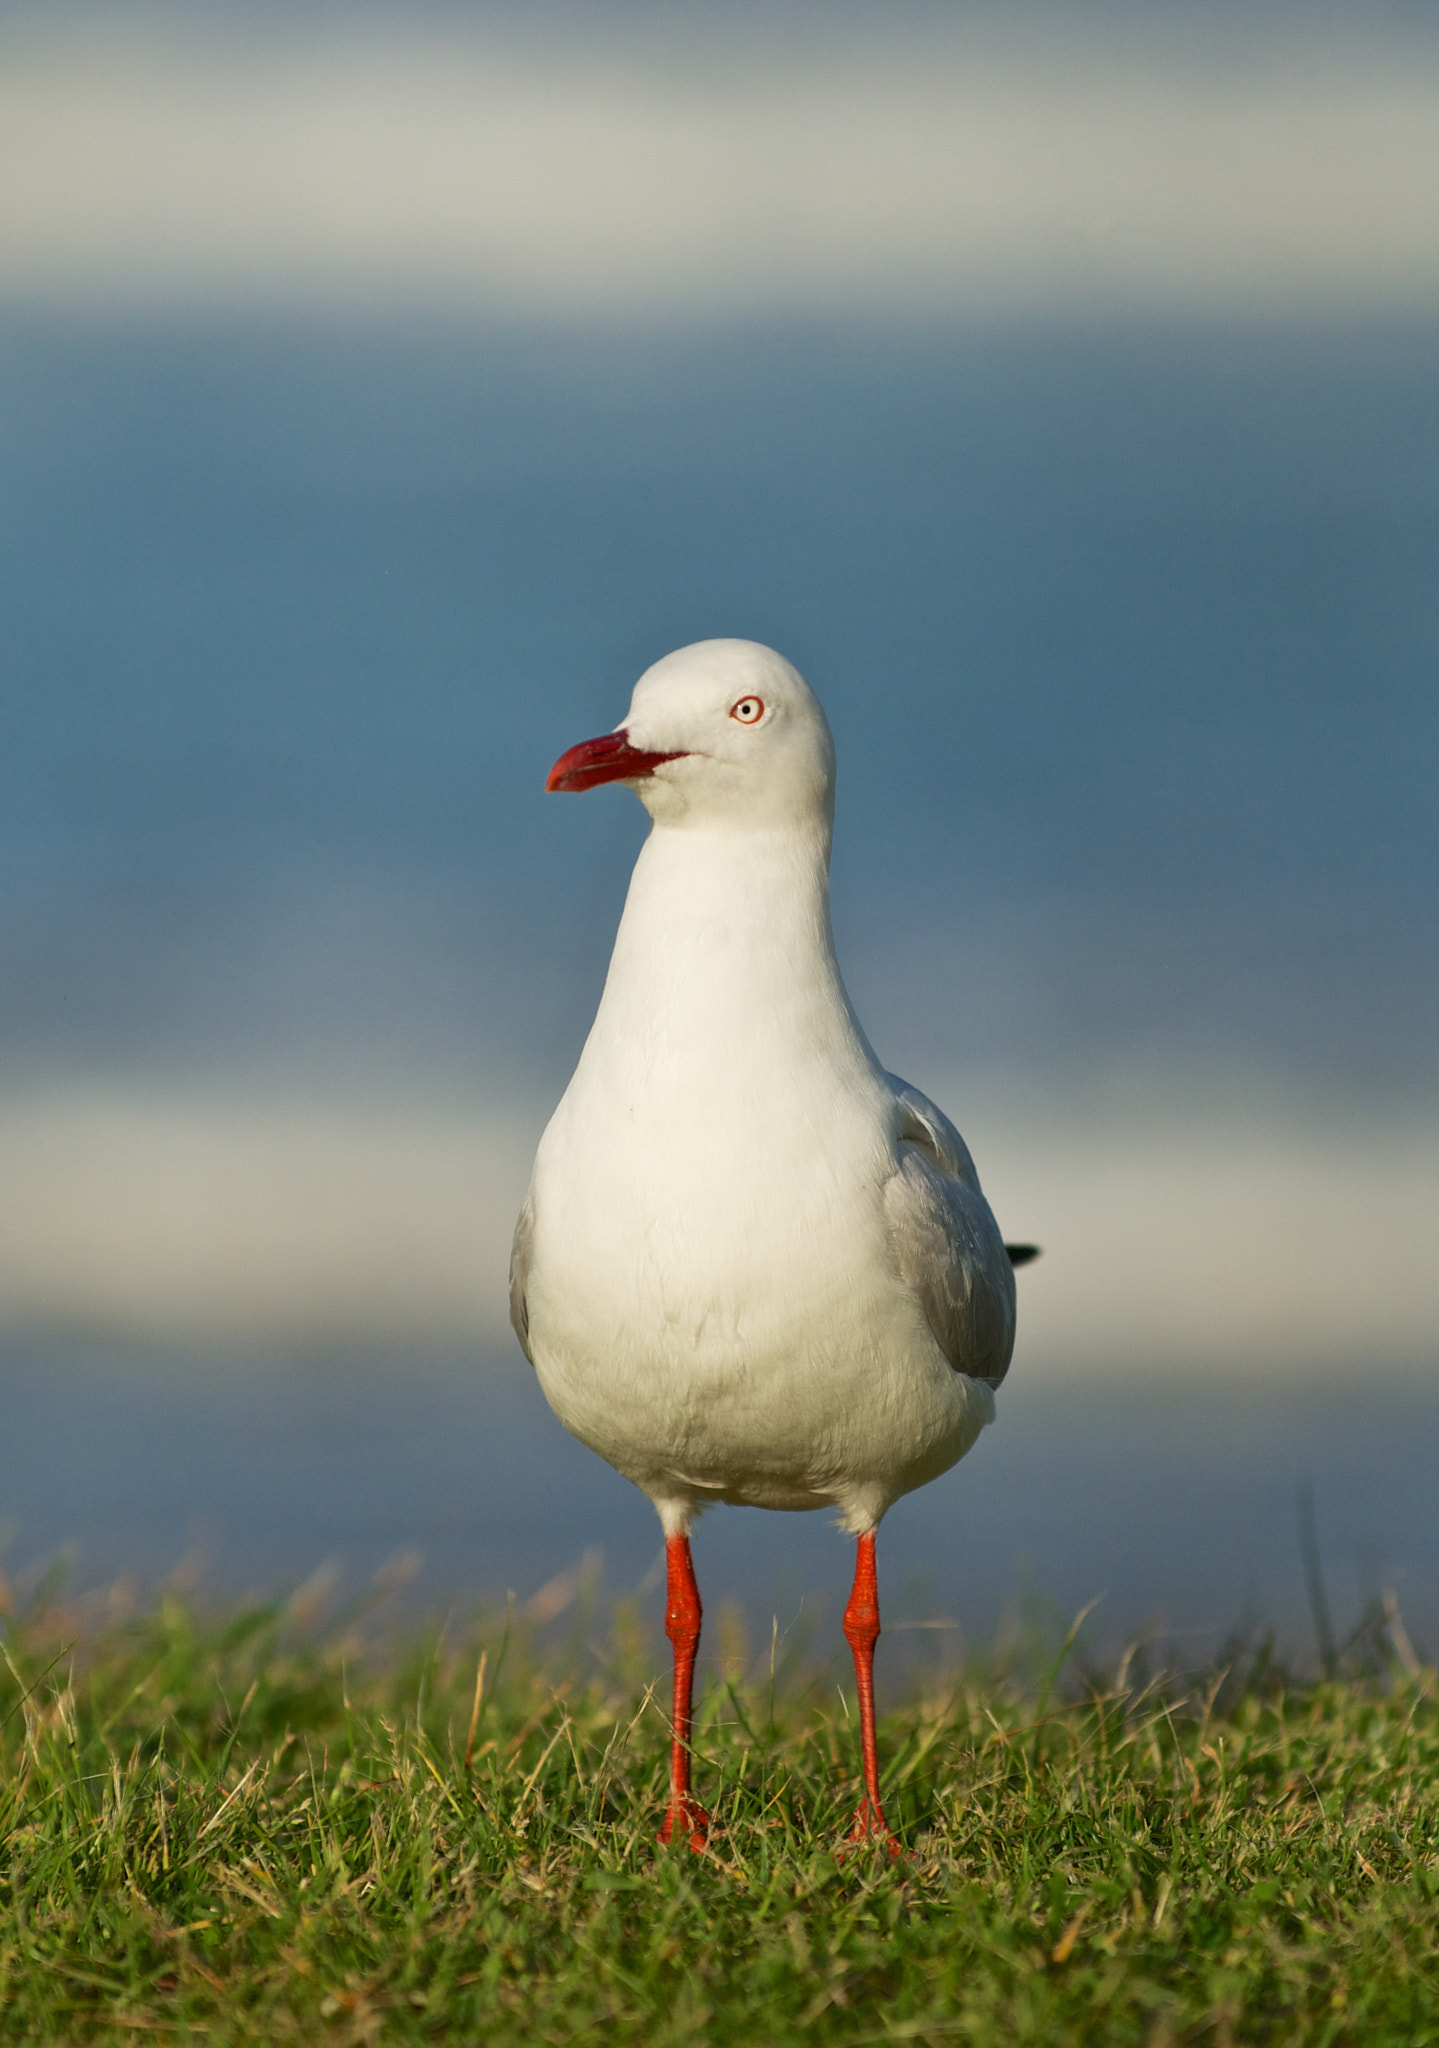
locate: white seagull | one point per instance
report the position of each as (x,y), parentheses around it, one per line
(752,1266)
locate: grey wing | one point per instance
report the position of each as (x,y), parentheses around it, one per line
(946,1242)
(923,1124)
(521,1252)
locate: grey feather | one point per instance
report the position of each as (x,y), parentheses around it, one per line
(923,1124)
(946,1242)
(521,1252)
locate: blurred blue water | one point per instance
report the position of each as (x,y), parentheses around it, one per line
(1173,1505)
(1129,642)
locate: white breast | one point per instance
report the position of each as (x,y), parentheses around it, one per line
(712,1299)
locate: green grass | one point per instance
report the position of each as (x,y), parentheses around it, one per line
(233,1831)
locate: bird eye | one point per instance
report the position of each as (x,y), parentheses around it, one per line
(749,710)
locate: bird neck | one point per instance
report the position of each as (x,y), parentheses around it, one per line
(726,950)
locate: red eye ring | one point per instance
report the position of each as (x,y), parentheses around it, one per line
(748,711)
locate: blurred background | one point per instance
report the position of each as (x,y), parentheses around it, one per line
(381,389)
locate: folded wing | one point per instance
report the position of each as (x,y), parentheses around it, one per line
(521,1252)
(946,1242)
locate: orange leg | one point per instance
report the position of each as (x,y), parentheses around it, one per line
(861,1628)
(683,1614)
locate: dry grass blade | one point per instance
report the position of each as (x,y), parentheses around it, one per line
(474,1727)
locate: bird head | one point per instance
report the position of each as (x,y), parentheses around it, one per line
(725,730)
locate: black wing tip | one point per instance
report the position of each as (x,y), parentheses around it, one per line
(1021,1254)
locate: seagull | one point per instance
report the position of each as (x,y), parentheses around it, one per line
(752,1266)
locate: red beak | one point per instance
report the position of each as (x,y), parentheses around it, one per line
(610,758)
